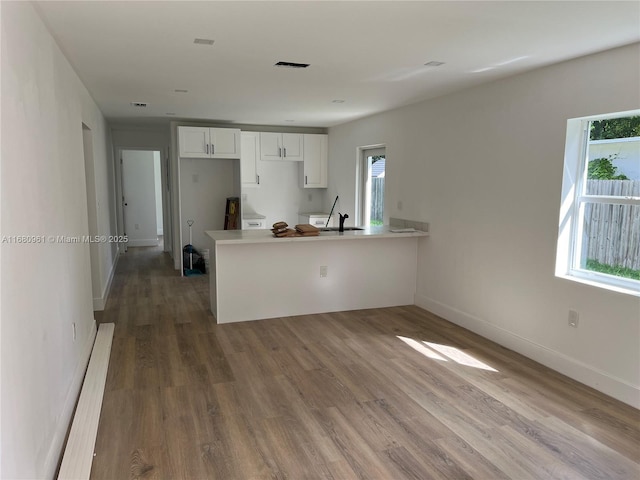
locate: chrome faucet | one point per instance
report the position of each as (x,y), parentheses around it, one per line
(342,219)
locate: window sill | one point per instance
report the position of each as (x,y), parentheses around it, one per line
(594,282)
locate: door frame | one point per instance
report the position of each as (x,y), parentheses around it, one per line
(166,191)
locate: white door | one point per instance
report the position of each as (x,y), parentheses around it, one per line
(139,191)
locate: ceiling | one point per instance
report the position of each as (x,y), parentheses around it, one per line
(371,55)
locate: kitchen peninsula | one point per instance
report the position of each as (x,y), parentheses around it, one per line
(254,275)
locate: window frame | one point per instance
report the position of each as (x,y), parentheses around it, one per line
(574,200)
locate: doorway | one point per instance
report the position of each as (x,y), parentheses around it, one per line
(372,184)
(142,197)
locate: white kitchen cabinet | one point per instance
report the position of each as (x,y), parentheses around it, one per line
(209,142)
(281,146)
(316,160)
(249,159)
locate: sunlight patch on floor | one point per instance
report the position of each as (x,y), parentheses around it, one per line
(440,352)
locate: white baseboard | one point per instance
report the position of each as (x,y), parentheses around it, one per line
(78,453)
(144,242)
(99,303)
(57,443)
(575,369)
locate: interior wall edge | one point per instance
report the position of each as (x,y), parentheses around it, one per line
(560,362)
(100,302)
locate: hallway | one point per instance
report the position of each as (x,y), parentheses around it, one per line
(380,394)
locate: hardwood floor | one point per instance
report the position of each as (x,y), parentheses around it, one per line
(349,395)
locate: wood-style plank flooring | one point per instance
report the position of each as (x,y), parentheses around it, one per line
(350,395)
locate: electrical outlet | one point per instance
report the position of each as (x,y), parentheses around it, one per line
(309,197)
(323,271)
(573,318)
(73,326)
(400,205)
(137,226)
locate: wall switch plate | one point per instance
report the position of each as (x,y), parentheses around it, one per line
(323,271)
(573,318)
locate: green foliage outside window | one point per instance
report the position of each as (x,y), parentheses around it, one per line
(615,128)
(603,169)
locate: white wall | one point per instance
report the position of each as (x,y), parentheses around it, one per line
(46,287)
(484,167)
(205,185)
(279,195)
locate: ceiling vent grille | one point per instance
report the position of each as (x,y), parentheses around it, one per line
(291,65)
(203,41)
(139,104)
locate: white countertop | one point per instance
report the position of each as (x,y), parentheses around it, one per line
(265,236)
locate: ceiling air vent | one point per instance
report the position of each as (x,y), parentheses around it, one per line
(139,104)
(291,65)
(203,41)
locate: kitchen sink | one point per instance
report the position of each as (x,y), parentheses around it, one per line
(337,229)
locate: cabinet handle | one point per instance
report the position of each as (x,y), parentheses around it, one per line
(279,152)
(213,150)
(207,147)
(258,179)
(305,179)
(254,224)
(285,151)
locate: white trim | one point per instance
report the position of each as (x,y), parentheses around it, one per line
(100,303)
(57,443)
(558,361)
(609,199)
(145,242)
(78,454)
(614,140)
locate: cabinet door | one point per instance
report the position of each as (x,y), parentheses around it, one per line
(225,142)
(249,155)
(270,146)
(194,142)
(292,144)
(315,161)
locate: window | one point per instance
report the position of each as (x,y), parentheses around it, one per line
(599,234)
(371,186)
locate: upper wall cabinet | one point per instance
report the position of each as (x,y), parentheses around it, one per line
(316,156)
(205,142)
(281,146)
(249,164)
